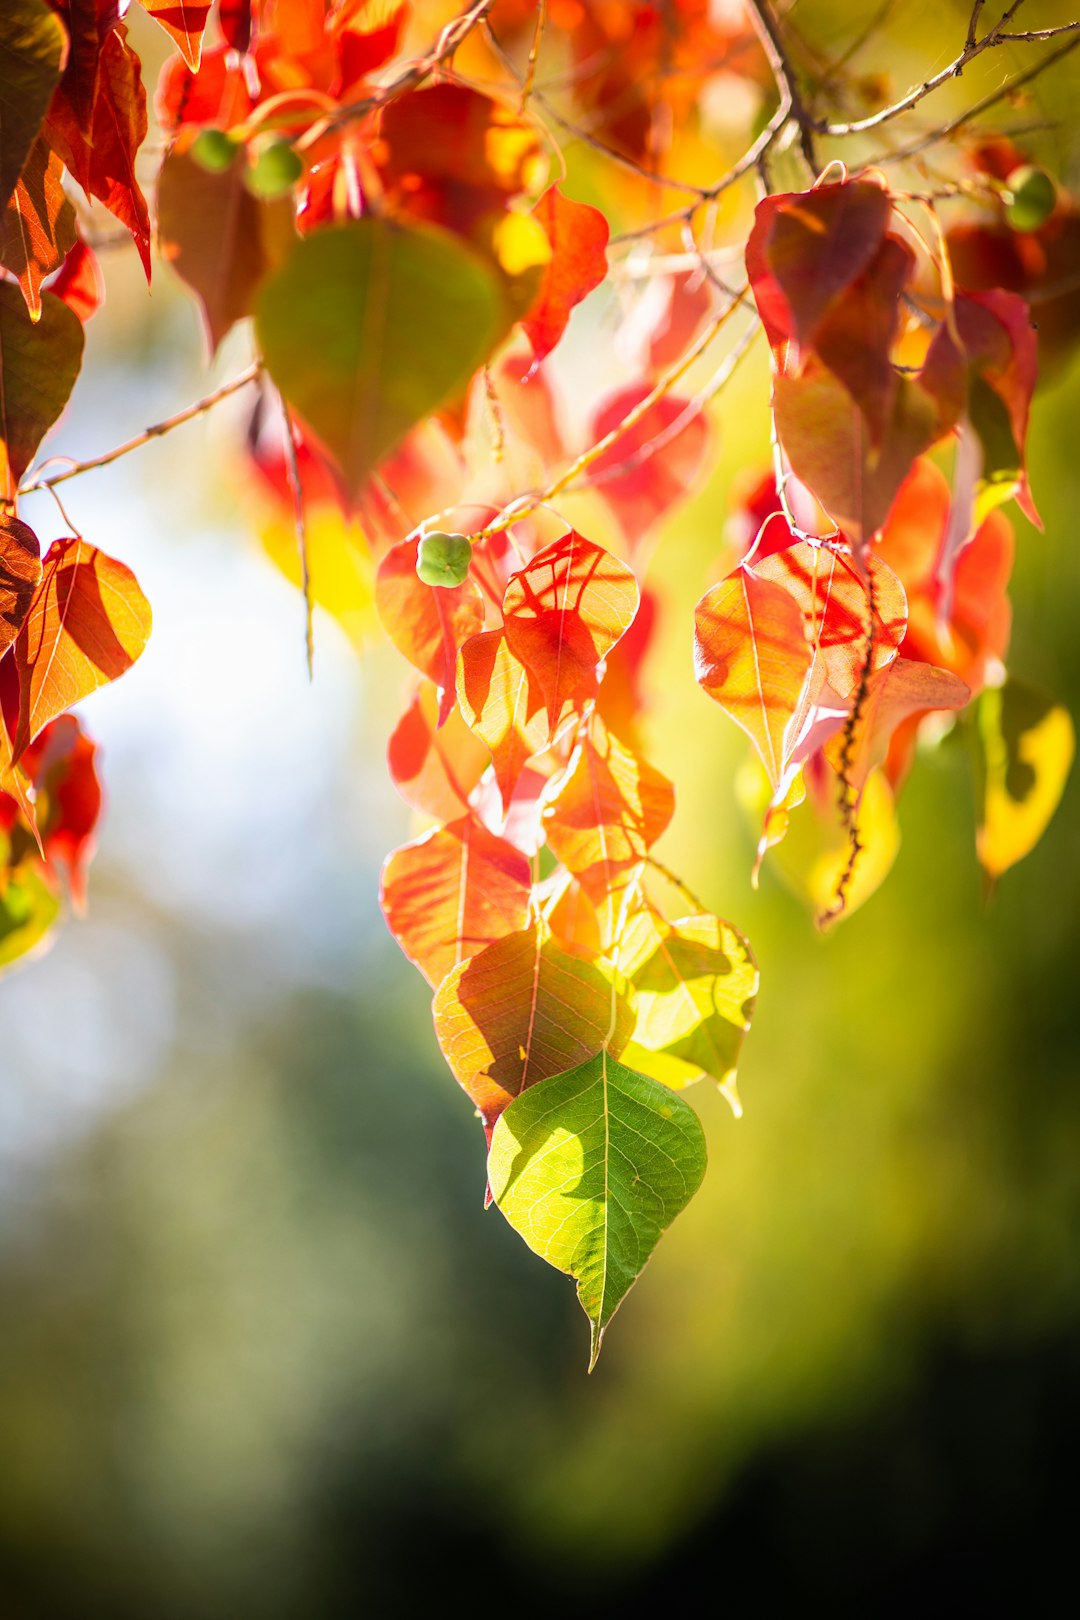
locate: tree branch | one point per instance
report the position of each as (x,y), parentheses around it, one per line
(767,28)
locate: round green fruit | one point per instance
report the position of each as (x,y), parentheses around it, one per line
(1034,198)
(443,559)
(214,150)
(274,172)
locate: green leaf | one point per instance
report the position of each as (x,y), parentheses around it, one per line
(696,981)
(591,1167)
(33,48)
(370,327)
(28,909)
(38,367)
(1026,747)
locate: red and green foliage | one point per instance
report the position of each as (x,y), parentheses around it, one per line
(377,191)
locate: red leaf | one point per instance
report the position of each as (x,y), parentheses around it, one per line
(521,1010)
(234,20)
(426,623)
(564,612)
(218,94)
(104,163)
(87,623)
(61,765)
(653,465)
(20,575)
(579,236)
(79,282)
(434,769)
(452,892)
(895,694)
(751,655)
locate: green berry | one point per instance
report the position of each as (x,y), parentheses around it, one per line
(1034,197)
(275,171)
(214,150)
(443,559)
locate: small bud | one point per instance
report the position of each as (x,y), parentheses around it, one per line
(1033,198)
(443,559)
(275,171)
(214,150)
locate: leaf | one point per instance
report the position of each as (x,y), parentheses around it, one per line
(38,225)
(654,465)
(751,656)
(220,240)
(578,235)
(33,49)
(103,162)
(1027,747)
(79,283)
(367,328)
(87,23)
(834,602)
(452,892)
(434,768)
(183,21)
(522,1009)
(87,624)
(38,367)
(67,800)
(695,983)
(894,695)
(591,1167)
(28,909)
(20,575)
(502,703)
(610,810)
(564,612)
(426,623)
(807,248)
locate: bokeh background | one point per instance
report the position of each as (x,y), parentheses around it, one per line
(262,1351)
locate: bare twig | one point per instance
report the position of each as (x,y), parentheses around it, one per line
(156,431)
(771,38)
(292,469)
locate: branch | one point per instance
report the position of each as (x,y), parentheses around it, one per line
(768,31)
(157,431)
(972,49)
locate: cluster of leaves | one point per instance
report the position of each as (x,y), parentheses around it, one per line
(385,218)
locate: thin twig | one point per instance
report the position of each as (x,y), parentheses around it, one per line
(292,469)
(157,431)
(769,33)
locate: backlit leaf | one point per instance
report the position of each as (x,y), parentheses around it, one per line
(452,892)
(502,703)
(217,236)
(38,367)
(751,655)
(434,767)
(38,225)
(426,623)
(1027,747)
(33,49)
(695,982)
(61,765)
(20,575)
(103,162)
(369,327)
(591,1167)
(894,695)
(183,21)
(29,907)
(654,465)
(564,612)
(87,624)
(523,1009)
(578,235)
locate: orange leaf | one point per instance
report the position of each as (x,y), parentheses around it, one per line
(452,892)
(751,655)
(524,1009)
(501,702)
(426,623)
(833,600)
(67,800)
(183,21)
(609,812)
(434,769)
(895,694)
(564,612)
(579,236)
(38,225)
(20,575)
(87,624)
